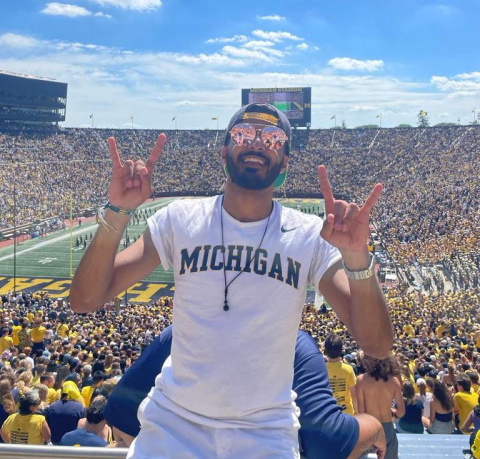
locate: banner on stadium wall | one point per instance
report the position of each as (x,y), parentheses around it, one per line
(141,292)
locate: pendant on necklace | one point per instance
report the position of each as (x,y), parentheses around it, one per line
(225,306)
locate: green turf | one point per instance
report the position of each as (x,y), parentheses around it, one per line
(50,256)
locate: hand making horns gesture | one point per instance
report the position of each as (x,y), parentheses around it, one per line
(131,183)
(346,225)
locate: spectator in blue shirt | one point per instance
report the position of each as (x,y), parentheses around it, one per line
(90,434)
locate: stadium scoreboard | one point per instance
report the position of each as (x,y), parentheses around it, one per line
(296,103)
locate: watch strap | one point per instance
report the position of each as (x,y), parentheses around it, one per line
(362,273)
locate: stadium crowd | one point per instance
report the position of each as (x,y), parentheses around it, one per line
(427,221)
(63,357)
(427,218)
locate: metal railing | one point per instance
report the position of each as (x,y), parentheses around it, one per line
(64,452)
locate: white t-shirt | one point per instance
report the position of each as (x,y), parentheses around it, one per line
(236,364)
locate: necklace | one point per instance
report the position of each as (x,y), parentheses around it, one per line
(225,302)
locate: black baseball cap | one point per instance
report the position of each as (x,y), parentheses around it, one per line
(270,114)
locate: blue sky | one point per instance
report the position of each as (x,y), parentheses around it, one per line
(156,59)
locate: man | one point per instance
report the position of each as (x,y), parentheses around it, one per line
(465,399)
(325,431)
(341,375)
(87,391)
(90,434)
(37,334)
(63,416)
(242,263)
(377,388)
(49,380)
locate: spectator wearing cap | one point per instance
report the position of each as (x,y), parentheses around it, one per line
(63,416)
(97,381)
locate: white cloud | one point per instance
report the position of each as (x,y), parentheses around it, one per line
(137,5)
(272,17)
(276,36)
(265,47)
(245,53)
(347,63)
(15,41)
(363,108)
(65,9)
(207,59)
(302,46)
(103,15)
(234,39)
(461,83)
(469,76)
(114,83)
(185,103)
(257,44)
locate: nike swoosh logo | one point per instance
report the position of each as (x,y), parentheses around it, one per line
(286,230)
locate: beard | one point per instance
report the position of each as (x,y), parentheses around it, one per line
(250,178)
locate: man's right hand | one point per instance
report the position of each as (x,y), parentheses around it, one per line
(131,183)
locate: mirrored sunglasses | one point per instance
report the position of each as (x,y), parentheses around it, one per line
(245,134)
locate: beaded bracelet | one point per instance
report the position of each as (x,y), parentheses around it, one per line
(119,210)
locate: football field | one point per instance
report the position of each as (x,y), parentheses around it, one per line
(48,263)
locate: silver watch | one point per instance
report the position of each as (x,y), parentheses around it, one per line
(360,274)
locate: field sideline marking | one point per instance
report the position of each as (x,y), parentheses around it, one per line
(49,242)
(57,239)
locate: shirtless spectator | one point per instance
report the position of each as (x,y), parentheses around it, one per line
(377,388)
